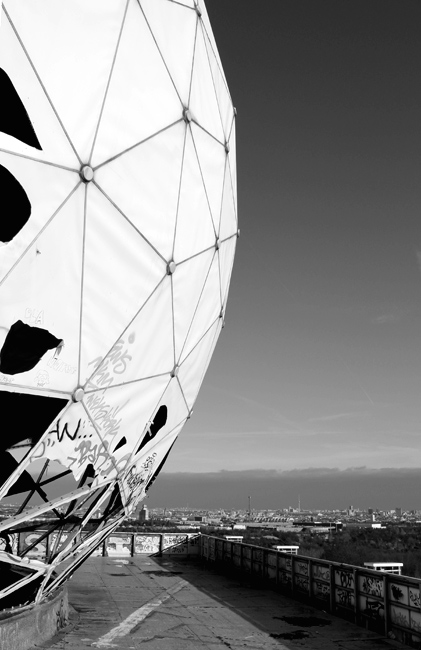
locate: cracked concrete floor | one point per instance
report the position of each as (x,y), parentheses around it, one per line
(164,604)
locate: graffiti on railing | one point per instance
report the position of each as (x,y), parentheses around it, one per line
(321,590)
(170,540)
(284,579)
(399,616)
(373,609)
(147,544)
(321,572)
(118,545)
(345,598)
(373,586)
(301,582)
(415,621)
(396,591)
(301,568)
(414,597)
(345,579)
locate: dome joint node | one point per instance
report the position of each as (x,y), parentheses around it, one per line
(171,266)
(186,115)
(238,233)
(174,371)
(86,174)
(235,111)
(227,147)
(217,244)
(78,394)
(198,9)
(190,414)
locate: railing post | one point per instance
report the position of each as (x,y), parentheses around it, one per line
(332,589)
(356,603)
(386,603)
(277,568)
(132,546)
(310,585)
(161,544)
(241,557)
(292,574)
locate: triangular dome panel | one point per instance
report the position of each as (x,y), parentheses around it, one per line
(203,103)
(208,308)
(141,98)
(121,413)
(51,268)
(195,231)
(188,283)
(74,442)
(233,162)
(175,38)
(194,366)
(78,60)
(226,261)
(228,225)
(209,33)
(120,272)
(176,411)
(212,157)
(145,182)
(47,188)
(226,109)
(56,147)
(138,353)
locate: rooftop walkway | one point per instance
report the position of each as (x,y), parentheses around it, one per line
(155,603)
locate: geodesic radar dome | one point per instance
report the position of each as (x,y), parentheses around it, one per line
(117,164)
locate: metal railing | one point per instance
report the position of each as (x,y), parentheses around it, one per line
(117,544)
(384,602)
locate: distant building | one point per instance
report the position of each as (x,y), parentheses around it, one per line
(144,514)
(370,511)
(291,549)
(388,567)
(398,512)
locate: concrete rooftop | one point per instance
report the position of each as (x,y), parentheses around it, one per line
(165,604)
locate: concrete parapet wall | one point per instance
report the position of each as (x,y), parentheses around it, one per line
(386,603)
(22,628)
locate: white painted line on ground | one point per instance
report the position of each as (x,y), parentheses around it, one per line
(137,617)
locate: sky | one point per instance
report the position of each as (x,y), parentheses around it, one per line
(319,365)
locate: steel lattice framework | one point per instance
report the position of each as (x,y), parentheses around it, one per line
(113,287)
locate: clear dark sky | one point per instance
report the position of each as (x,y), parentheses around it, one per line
(319,364)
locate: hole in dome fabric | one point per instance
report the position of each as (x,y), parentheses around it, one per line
(24,346)
(27,417)
(8,465)
(14,120)
(16,208)
(122,442)
(157,424)
(158,469)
